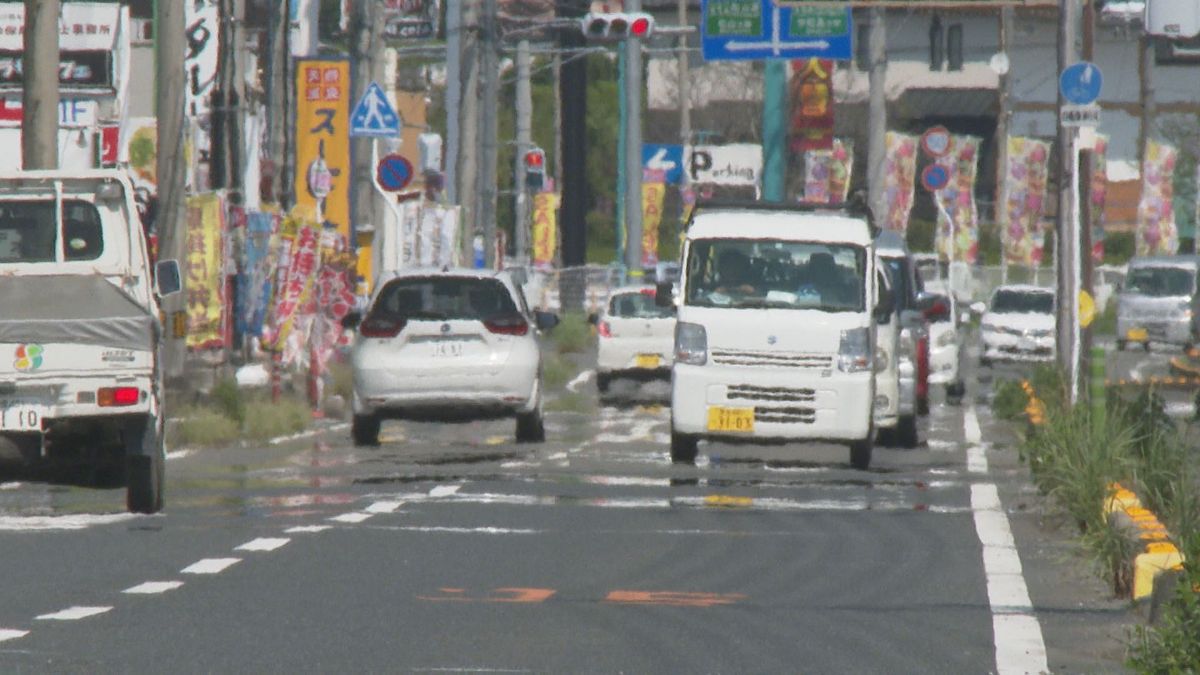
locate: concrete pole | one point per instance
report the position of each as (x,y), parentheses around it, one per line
(685,81)
(774,136)
(488,119)
(171,169)
(453,95)
(877,114)
(524,109)
(366,61)
(1067,241)
(633,151)
(1002,122)
(39,87)
(468,148)
(278,104)
(1149,105)
(1084,205)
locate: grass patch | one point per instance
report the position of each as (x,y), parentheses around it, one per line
(266,420)
(570,402)
(202,426)
(573,335)
(557,371)
(343,380)
(1009,401)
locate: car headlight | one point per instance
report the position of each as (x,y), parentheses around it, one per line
(691,344)
(854,351)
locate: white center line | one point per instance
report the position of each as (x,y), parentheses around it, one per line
(304,529)
(12,634)
(153,587)
(352,517)
(1016,631)
(210,565)
(383,507)
(74,614)
(263,544)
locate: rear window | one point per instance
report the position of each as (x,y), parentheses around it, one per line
(637,306)
(1160,281)
(28,231)
(443,298)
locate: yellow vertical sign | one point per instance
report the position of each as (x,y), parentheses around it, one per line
(653,197)
(322,179)
(205,280)
(545,228)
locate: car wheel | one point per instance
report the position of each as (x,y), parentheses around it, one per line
(860,454)
(530,428)
(145,466)
(906,432)
(602,382)
(684,448)
(886,437)
(365,430)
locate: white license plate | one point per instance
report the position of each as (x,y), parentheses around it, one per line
(448,348)
(21,416)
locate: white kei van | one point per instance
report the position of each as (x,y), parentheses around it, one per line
(776,331)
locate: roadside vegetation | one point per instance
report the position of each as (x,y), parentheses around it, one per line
(567,346)
(1076,454)
(229,414)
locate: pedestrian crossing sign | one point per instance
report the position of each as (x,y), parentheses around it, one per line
(374,115)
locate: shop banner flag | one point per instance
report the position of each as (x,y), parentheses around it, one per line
(1028,170)
(205,266)
(827,173)
(653,197)
(899,179)
(1156,231)
(545,229)
(958,239)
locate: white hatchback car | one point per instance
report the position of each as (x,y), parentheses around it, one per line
(447,345)
(1018,325)
(636,337)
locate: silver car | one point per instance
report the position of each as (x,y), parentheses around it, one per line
(1159,302)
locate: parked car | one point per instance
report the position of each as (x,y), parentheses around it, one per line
(448,345)
(636,337)
(1159,302)
(891,366)
(914,330)
(944,343)
(1018,324)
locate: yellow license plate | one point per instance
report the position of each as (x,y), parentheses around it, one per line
(648,361)
(730,419)
(1137,334)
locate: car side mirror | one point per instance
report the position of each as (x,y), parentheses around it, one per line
(662,294)
(545,321)
(352,319)
(593,318)
(167,278)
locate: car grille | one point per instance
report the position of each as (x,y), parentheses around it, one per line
(787,415)
(746,392)
(772,359)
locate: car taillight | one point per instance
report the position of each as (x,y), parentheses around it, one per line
(108,397)
(381,327)
(507,325)
(604,329)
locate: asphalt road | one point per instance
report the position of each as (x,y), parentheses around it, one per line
(452,549)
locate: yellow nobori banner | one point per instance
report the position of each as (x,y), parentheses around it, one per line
(203,267)
(545,228)
(322,180)
(653,196)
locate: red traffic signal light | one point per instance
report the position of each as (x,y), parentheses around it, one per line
(617,25)
(535,160)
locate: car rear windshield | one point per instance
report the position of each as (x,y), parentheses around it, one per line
(1160,281)
(28,231)
(1023,302)
(443,298)
(639,305)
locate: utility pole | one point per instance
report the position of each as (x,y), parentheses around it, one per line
(685,95)
(226,128)
(633,151)
(1002,122)
(39,87)
(170,48)
(453,96)
(1146,98)
(366,35)
(524,109)
(1067,241)
(774,137)
(1085,206)
(573,101)
(279,103)
(468,147)
(877,115)
(490,67)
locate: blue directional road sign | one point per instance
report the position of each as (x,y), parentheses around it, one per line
(394,173)
(665,158)
(1080,83)
(741,30)
(374,116)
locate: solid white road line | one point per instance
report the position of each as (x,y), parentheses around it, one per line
(74,614)
(304,529)
(210,565)
(1015,628)
(263,544)
(153,587)
(11,634)
(383,507)
(444,490)
(352,517)
(73,522)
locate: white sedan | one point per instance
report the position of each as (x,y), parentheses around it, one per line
(944,348)
(636,337)
(1019,324)
(447,345)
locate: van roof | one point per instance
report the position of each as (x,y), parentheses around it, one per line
(1189,261)
(742,222)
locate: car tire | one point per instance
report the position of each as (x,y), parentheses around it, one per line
(906,431)
(145,466)
(860,454)
(530,427)
(684,448)
(886,437)
(923,406)
(602,382)
(364,429)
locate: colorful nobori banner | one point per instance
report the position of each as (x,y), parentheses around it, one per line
(322,132)
(958,238)
(1156,230)
(899,179)
(1028,177)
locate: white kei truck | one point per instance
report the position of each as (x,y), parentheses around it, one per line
(776,333)
(80,334)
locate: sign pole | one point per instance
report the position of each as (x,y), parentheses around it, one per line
(774,139)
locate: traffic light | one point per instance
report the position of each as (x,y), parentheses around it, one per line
(617,25)
(535,168)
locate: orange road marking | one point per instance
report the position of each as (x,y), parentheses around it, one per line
(518,595)
(672,598)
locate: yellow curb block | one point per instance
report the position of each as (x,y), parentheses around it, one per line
(726,500)
(1147,566)
(1120,499)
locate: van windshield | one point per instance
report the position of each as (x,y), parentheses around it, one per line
(1160,281)
(28,231)
(1023,302)
(761,273)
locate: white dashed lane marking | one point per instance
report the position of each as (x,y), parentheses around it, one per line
(210,565)
(12,634)
(444,490)
(352,517)
(263,544)
(306,529)
(74,614)
(153,587)
(383,507)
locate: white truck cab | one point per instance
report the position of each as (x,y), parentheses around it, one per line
(80,377)
(776,332)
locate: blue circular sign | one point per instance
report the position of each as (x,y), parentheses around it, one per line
(1080,83)
(935,177)
(394,173)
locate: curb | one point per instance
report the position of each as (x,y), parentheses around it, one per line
(1156,554)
